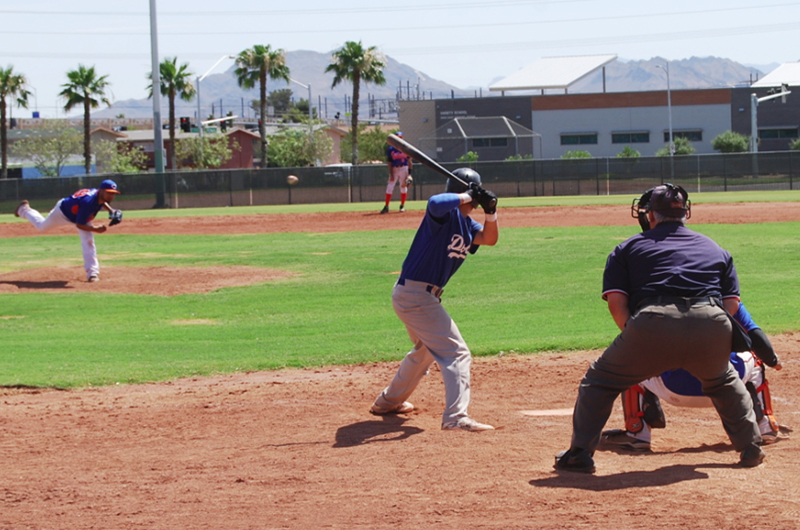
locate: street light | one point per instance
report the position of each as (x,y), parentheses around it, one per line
(199,115)
(669,111)
(310,120)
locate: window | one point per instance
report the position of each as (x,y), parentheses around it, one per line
(489,142)
(774,134)
(692,136)
(579,139)
(630,138)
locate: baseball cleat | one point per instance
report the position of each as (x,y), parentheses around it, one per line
(752,456)
(466,424)
(402,208)
(771,437)
(576,460)
(93,278)
(23,203)
(403,408)
(622,439)
(385,209)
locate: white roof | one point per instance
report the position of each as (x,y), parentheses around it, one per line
(553,72)
(788,73)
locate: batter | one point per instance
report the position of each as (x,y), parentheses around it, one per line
(445,237)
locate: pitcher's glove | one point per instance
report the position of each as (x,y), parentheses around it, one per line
(116,217)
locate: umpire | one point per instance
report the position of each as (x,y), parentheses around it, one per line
(666,289)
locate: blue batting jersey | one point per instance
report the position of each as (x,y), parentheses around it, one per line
(442,242)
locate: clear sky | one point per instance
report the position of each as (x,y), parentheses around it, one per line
(466,43)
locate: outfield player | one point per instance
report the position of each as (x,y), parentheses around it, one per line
(643,412)
(667,290)
(78,209)
(399,165)
(445,237)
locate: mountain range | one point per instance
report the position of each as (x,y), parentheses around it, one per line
(308,68)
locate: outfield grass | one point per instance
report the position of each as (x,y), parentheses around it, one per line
(537,290)
(512,202)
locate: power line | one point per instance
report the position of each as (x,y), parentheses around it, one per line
(405,28)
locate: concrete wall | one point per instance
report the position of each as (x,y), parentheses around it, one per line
(551,124)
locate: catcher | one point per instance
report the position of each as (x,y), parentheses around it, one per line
(399,165)
(643,412)
(79,209)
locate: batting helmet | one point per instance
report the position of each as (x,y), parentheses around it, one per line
(667,199)
(467,175)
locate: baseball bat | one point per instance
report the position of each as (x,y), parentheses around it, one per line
(400,144)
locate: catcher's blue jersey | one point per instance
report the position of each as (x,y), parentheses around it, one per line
(442,242)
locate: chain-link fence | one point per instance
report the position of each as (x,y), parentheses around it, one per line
(589,176)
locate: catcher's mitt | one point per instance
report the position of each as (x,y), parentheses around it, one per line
(409,180)
(116,217)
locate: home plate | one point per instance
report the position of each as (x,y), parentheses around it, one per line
(552,412)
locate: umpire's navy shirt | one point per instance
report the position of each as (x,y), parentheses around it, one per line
(670,260)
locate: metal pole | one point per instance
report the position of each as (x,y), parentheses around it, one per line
(199,116)
(158,147)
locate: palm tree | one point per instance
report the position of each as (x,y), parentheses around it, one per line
(11,85)
(174,80)
(356,64)
(85,88)
(255,65)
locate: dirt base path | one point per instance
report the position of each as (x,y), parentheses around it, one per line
(298,449)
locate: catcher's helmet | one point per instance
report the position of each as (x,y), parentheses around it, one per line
(666,199)
(467,175)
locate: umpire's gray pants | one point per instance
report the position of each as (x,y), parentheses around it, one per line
(436,338)
(656,339)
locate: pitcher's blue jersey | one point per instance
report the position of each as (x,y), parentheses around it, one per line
(442,242)
(81,207)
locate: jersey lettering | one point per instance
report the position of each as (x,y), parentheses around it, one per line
(457,248)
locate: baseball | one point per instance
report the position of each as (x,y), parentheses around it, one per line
(291,180)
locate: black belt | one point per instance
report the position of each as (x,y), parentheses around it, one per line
(680,300)
(434,290)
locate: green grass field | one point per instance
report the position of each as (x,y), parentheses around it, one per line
(537,290)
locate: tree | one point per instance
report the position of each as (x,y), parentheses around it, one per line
(731,142)
(576,154)
(356,64)
(175,80)
(469,156)
(119,157)
(87,89)
(206,153)
(280,100)
(682,147)
(255,66)
(372,144)
(12,86)
(292,147)
(50,146)
(629,152)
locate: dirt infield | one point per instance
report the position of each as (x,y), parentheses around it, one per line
(298,449)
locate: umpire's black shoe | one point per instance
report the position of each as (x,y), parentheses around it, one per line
(576,460)
(752,456)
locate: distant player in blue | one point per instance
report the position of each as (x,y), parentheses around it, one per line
(679,388)
(445,237)
(78,209)
(399,165)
